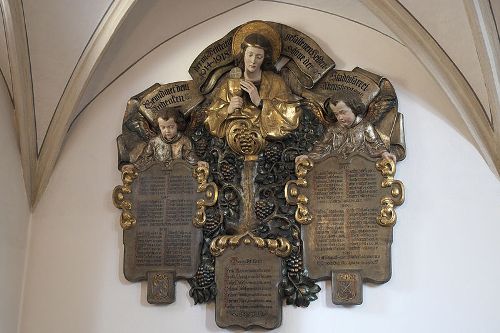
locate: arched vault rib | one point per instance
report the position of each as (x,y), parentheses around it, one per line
(79,79)
(444,71)
(22,90)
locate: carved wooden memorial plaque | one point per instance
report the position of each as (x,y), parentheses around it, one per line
(268,171)
(163,202)
(247,281)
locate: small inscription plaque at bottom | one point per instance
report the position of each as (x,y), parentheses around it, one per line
(161,287)
(247,288)
(347,288)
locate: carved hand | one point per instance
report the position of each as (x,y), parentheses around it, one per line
(236,102)
(203,164)
(389,156)
(127,168)
(252,90)
(300,158)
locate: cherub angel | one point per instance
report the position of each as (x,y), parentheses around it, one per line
(350,133)
(170,144)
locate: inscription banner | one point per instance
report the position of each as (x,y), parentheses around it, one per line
(214,56)
(163,203)
(310,59)
(345,202)
(176,94)
(247,281)
(341,81)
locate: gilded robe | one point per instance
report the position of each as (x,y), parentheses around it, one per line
(277,117)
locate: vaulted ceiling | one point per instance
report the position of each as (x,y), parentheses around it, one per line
(56,56)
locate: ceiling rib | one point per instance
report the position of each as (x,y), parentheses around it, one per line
(444,71)
(22,90)
(79,79)
(483,26)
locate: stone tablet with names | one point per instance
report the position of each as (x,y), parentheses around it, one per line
(344,198)
(163,204)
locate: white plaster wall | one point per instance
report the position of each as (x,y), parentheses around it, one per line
(446,241)
(14,218)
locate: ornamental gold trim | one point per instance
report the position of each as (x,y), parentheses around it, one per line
(127,219)
(279,246)
(387,216)
(210,190)
(292,191)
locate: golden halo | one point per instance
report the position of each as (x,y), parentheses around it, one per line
(261,28)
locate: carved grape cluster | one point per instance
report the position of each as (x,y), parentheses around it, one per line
(228,171)
(296,287)
(247,142)
(212,219)
(272,153)
(200,146)
(204,277)
(263,209)
(294,263)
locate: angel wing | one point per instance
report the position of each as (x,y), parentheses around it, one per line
(382,104)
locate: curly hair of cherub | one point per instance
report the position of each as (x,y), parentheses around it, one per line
(174,113)
(350,99)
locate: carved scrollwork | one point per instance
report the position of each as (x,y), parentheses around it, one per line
(387,216)
(279,246)
(210,190)
(292,191)
(127,219)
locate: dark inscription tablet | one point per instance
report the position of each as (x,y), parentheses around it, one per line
(247,288)
(344,198)
(164,204)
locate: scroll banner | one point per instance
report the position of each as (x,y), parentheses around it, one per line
(338,81)
(312,62)
(182,93)
(208,63)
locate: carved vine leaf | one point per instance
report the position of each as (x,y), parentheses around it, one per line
(298,290)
